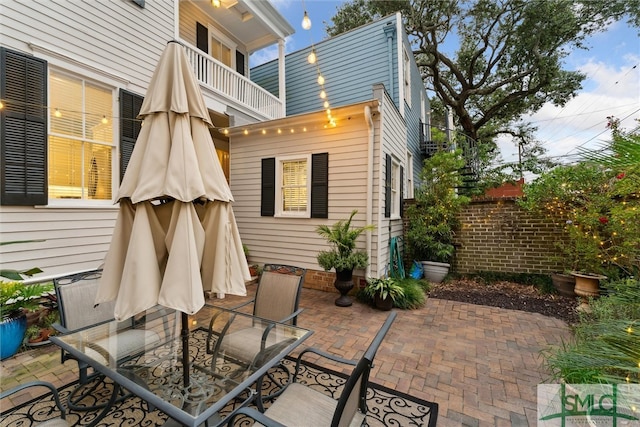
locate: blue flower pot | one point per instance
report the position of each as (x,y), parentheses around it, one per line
(11,335)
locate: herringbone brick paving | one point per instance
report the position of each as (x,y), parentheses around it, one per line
(481,364)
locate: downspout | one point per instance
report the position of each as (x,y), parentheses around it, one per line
(369,214)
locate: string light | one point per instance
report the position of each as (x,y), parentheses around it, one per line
(306,22)
(320,80)
(323,94)
(312,57)
(104,120)
(57,113)
(215,3)
(1,105)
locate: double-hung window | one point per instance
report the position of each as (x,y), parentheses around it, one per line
(295,186)
(81,139)
(293,178)
(393,186)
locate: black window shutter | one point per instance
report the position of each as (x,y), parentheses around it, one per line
(387,187)
(240,62)
(320,185)
(202,37)
(268,193)
(23,129)
(401,191)
(130,104)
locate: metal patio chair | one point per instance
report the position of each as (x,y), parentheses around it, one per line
(277,298)
(301,405)
(76,295)
(53,422)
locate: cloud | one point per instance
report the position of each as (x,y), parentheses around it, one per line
(609,90)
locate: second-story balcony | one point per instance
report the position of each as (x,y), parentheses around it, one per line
(219,37)
(234,88)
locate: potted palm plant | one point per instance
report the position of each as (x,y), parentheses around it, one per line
(15,299)
(433,218)
(343,256)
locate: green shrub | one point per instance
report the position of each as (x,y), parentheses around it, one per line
(607,340)
(413,294)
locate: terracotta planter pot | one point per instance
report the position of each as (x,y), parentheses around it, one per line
(587,285)
(564,283)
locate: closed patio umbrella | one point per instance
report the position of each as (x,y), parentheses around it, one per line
(175,235)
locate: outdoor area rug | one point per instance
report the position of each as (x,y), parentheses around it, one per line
(387,407)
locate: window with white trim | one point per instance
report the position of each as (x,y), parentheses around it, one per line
(221,48)
(81,139)
(293,186)
(407,75)
(409,176)
(396,186)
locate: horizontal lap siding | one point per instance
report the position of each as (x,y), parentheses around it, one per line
(74,239)
(116,37)
(394,143)
(295,241)
(350,63)
(88,38)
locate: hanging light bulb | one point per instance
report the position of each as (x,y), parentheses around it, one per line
(104,120)
(246,132)
(320,79)
(323,94)
(215,3)
(311,59)
(57,113)
(306,22)
(326,104)
(1,105)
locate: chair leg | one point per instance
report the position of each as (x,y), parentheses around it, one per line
(279,382)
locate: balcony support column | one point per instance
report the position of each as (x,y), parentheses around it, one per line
(282,91)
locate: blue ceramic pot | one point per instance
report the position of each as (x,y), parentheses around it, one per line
(11,335)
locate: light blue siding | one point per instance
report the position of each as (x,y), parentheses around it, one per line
(350,63)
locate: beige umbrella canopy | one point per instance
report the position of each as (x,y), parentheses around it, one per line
(175,235)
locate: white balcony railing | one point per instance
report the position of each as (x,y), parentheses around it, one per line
(232,85)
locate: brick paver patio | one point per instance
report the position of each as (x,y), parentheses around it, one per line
(480,364)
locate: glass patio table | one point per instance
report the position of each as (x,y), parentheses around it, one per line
(154,369)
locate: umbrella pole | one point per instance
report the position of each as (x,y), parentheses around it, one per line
(185,349)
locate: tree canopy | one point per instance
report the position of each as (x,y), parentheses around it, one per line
(509,57)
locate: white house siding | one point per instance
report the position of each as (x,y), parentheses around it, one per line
(58,241)
(295,241)
(113,42)
(117,38)
(393,142)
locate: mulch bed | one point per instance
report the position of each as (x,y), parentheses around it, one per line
(514,296)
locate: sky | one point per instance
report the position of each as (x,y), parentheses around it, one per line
(611,88)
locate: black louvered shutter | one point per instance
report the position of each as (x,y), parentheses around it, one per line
(387,187)
(240,63)
(320,185)
(401,191)
(268,192)
(23,129)
(130,104)
(202,37)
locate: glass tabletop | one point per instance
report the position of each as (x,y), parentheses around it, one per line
(226,352)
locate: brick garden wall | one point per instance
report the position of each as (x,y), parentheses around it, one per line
(498,236)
